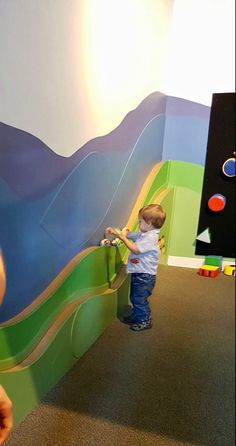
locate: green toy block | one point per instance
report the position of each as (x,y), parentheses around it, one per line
(214,261)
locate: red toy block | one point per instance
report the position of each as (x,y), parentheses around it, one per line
(208,271)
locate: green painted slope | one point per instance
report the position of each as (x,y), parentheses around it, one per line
(42,370)
(99,266)
(183,183)
(58,330)
(184,223)
(94,271)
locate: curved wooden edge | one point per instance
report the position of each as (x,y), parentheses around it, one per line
(142,195)
(51,287)
(2,278)
(52,331)
(119,279)
(60,319)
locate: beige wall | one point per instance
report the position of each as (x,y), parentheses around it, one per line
(201,50)
(72,69)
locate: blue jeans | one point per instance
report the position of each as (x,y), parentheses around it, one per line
(141,288)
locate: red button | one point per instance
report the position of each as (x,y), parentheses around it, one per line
(217,202)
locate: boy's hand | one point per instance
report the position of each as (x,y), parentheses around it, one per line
(109,230)
(122,235)
(113,231)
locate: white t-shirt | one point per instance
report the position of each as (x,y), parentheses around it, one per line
(147,260)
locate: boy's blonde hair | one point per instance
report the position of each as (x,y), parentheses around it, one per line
(154,214)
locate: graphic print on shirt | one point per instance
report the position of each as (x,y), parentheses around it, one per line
(134,260)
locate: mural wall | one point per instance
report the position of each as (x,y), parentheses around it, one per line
(82,124)
(53,207)
(88,120)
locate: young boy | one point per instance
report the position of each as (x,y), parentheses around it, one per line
(142,263)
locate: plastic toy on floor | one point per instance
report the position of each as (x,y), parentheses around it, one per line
(211,267)
(208,271)
(214,261)
(229,270)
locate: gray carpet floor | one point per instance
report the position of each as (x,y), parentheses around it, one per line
(172,385)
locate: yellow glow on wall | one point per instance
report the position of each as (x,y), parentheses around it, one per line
(73,70)
(124,55)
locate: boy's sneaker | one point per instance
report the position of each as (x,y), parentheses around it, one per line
(141,325)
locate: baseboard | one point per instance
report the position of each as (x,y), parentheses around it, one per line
(192,262)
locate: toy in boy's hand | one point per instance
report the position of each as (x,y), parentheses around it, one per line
(105,242)
(110,240)
(116,242)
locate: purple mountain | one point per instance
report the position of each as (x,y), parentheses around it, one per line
(30,168)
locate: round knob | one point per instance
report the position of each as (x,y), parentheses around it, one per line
(217,202)
(228,167)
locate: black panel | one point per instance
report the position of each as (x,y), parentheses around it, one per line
(220,147)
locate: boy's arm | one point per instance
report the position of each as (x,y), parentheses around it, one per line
(129,244)
(123,235)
